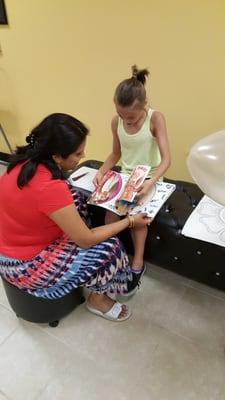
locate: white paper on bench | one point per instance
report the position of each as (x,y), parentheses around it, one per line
(207,222)
(86,181)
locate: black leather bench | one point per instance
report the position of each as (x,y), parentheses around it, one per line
(165,244)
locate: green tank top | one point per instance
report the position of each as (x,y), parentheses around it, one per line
(138,148)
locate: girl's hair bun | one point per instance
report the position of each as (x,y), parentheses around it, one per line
(140,75)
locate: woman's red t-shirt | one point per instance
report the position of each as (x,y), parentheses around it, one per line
(25,227)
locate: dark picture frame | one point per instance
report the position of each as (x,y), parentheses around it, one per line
(3,15)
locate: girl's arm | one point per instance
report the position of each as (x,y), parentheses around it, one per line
(115,155)
(69,220)
(159,131)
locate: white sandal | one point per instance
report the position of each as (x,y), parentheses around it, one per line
(112,314)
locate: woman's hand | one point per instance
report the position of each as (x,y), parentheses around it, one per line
(98,178)
(141,220)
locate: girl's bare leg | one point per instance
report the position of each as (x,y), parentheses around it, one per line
(139,236)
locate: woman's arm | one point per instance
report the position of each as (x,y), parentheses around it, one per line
(69,220)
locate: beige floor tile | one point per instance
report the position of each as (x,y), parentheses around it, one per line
(171,349)
(111,374)
(201,318)
(181,370)
(90,382)
(166,274)
(8,323)
(99,339)
(2,396)
(3,297)
(205,289)
(172,276)
(177,369)
(157,299)
(222,393)
(29,360)
(190,312)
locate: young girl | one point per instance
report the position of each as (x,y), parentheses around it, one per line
(139,137)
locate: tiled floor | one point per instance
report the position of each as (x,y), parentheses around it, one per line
(171,349)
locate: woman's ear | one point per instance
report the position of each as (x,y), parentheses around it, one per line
(57,159)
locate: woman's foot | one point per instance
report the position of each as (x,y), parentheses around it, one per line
(104,306)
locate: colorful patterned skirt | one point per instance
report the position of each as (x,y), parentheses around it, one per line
(62,266)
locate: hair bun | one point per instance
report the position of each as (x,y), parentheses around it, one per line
(139,74)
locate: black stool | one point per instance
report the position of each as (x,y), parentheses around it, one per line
(40,310)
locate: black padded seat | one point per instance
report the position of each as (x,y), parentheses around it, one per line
(40,310)
(165,244)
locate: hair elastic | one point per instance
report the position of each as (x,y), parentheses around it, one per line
(30,139)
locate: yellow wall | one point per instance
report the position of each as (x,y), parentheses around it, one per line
(68,56)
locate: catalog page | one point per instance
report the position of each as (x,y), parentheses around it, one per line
(115,188)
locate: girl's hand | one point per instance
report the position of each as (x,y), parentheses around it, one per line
(141,220)
(144,189)
(98,178)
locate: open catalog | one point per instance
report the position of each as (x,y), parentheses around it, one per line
(118,192)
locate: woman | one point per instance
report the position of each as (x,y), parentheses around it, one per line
(47,246)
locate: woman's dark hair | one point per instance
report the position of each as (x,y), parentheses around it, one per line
(58,134)
(132,89)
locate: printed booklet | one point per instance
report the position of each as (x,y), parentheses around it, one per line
(118,192)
